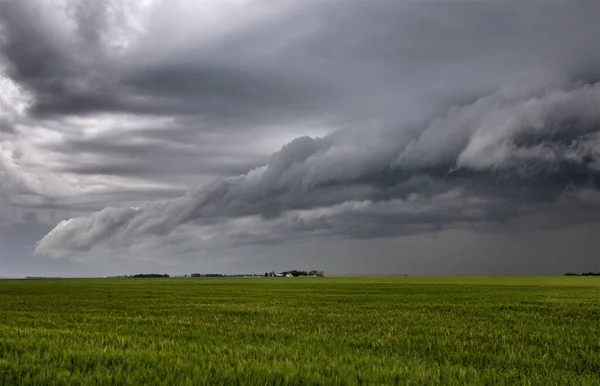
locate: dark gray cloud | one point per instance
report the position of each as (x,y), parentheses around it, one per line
(409,119)
(6,126)
(58,68)
(312,59)
(507,152)
(142,156)
(71,70)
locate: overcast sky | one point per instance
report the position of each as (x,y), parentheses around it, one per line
(375,137)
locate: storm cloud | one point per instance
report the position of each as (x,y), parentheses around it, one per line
(162,128)
(476,164)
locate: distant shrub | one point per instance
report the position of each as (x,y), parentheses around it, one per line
(149,275)
(297,273)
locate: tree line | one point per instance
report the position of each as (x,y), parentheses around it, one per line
(149,275)
(294,273)
(583,274)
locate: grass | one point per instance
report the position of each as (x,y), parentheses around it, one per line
(376,330)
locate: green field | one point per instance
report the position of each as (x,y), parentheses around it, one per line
(392,330)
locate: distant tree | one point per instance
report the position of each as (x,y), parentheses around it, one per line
(150,275)
(266,274)
(297,273)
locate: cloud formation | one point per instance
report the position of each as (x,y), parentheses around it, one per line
(475,164)
(171,127)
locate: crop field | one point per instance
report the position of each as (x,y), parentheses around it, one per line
(257,331)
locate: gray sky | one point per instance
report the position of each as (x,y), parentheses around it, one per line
(400,137)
